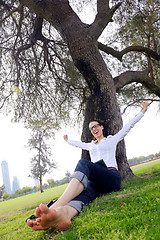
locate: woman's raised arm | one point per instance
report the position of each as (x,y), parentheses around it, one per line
(144,106)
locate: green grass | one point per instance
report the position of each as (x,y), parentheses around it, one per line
(147,167)
(132,213)
(29,201)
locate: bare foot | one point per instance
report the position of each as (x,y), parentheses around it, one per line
(35,226)
(50,217)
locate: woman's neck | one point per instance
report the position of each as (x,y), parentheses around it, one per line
(99,139)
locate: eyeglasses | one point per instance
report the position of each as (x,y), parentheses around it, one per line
(95,126)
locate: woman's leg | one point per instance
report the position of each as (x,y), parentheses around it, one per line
(59,212)
(74,188)
(60,217)
(104,179)
(96,180)
(76,194)
(85,197)
(101,181)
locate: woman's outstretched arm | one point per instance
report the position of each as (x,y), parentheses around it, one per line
(82,145)
(124,131)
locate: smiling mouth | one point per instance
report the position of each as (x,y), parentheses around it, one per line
(96,132)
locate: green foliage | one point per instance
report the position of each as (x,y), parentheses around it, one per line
(42,81)
(143,158)
(68,176)
(51,182)
(66,179)
(1,190)
(5,195)
(131,95)
(23,190)
(137,24)
(42,161)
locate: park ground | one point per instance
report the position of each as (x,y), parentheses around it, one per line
(131,213)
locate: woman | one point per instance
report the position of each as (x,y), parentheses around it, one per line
(89,180)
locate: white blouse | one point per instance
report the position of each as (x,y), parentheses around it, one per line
(106,148)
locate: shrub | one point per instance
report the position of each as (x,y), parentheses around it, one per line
(5,195)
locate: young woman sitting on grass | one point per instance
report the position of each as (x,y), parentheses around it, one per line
(89,180)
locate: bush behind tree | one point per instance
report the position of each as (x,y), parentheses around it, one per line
(23,190)
(140,159)
(5,196)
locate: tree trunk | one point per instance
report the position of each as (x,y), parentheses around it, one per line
(83,48)
(39,163)
(40,182)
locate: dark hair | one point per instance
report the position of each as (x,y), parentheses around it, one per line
(100,123)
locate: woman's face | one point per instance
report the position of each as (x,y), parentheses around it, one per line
(96,129)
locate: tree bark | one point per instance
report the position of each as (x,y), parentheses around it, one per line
(40,182)
(142,77)
(119,54)
(39,163)
(102,104)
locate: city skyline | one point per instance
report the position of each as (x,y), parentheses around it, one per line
(6,179)
(15,184)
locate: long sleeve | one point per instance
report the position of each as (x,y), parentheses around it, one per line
(124,131)
(83,145)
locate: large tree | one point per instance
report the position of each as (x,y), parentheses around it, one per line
(41,162)
(82,39)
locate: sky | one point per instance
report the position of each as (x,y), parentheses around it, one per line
(142,140)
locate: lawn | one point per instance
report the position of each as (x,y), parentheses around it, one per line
(132,213)
(146,168)
(29,201)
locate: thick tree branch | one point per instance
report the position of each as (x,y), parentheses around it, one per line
(37,32)
(36,35)
(111,51)
(139,77)
(103,17)
(146,50)
(119,54)
(59,14)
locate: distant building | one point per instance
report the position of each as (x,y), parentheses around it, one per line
(5,176)
(36,182)
(15,184)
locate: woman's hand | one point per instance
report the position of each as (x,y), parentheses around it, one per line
(145,106)
(65,137)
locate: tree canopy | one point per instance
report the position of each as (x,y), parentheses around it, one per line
(37,74)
